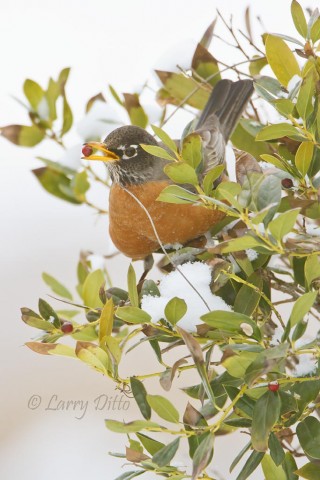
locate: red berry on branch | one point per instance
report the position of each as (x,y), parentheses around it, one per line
(273,386)
(287,183)
(87,151)
(67,327)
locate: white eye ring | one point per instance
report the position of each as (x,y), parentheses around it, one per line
(132,148)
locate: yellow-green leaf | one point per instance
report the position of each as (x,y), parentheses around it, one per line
(281,59)
(163,407)
(56,286)
(33,92)
(278,130)
(181,173)
(133,315)
(157,152)
(91,287)
(23,135)
(303,157)
(299,19)
(164,137)
(184,89)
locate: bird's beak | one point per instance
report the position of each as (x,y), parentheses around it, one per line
(107,155)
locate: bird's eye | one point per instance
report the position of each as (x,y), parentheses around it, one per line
(130,152)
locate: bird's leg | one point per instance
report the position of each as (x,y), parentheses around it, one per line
(148,263)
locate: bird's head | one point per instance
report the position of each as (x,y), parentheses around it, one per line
(124,157)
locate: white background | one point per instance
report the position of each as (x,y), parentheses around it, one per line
(104,42)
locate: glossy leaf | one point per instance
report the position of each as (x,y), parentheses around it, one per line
(303,157)
(133,315)
(265,414)
(164,456)
(175,309)
(140,395)
(281,59)
(181,173)
(308,432)
(164,408)
(91,287)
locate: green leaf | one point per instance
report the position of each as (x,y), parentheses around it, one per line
(131,427)
(277,162)
(248,299)
(93,356)
(202,456)
(157,152)
(257,64)
(237,365)
(181,173)
(301,307)
(299,19)
(163,407)
(303,157)
(281,59)
(132,287)
(164,137)
(312,269)
(136,113)
(152,446)
(265,414)
(278,130)
(33,320)
(309,471)
(251,464)
(284,106)
(48,313)
(308,432)
(232,322)
(192,149)
(176,194)
(164,456)
(211,177)
(91,287)
(241,243)
(315,31)
(23,135)
(283,224)
(205,65)
(183,89)
(140,395)
(53,182)
(106,320)
(304,101)
(113,350)
(272,471)
(56,286)
(237,459)
(33,92)
(276,451)
(130,475)
(51,349)
(115,95)
(133,315)
(80,184)
(175,309)
(67,117)
(290,467)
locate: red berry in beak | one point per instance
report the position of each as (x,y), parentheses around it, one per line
(87,151)
(67,327)
(287,183)
(273,386)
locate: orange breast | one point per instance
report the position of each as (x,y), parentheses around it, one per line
(131,230)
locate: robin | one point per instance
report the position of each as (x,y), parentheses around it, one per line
(137,221)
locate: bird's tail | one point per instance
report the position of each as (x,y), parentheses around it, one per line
(227,101)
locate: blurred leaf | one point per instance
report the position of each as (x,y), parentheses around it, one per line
(278,130)
(113,350)
(281,59)
(133,315)
(272,471)
(268,88)
(312,269)
(152,446)
(51,349)
(309,471)
(48,313)
(202,456)
(176,194)
(237,364)
(93,356)
(304,100)
(237,459)
(132,286)
(163,407)
(136,113)
(158,152)
(256,65)
(96,98)
(301,307)
(251,464)
(23,135)
(248,299)
(67,117)
(303,157)
(315,31)
(56,286)
(91,287)
(205,65)
(106,320)
(308,432)
(149,287)
(164,456)
(207,36)
(53,181)
(244,138)
(131,427)
(283,224)
(80,184)
(184,89)
(284,106)
(33,92)
(269,192)
(34,320)
(175,309)
(265,414)
(277,162)
(181,173)
(232,322)
(140,395)
(237,244)
(115,95)
(299,19)
(192,150)
(164,137)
